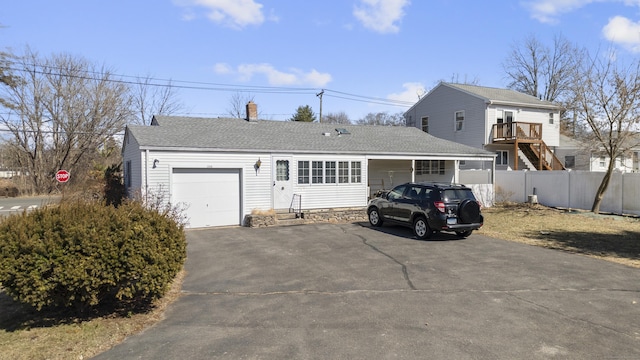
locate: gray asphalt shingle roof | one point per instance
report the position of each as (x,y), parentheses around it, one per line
(226,134)
(503,96)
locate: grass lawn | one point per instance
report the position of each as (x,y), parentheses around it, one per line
(25,334)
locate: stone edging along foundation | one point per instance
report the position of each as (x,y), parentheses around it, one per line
(337,215)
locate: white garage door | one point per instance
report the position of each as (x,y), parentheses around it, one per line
(212,196)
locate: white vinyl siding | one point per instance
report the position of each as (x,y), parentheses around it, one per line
(257,184)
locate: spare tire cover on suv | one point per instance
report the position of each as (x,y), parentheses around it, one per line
(469,211)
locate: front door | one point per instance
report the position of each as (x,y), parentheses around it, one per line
(282,182)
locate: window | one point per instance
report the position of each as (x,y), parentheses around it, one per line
(602,162)
(316,172)
(396,193)
(282,170)
(343,172)
(503,157)
(550,118)
(127,174)
(425,124)
(330,172)
(508,116)
(499,117)
(459,120)
(569,161)
(356,172)
(303,172)
(426,167)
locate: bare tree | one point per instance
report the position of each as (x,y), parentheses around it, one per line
(238,103)
(455,78)
(546,72)
(336,118)
(59,111)
(608,100)
(152,98)
(382,118)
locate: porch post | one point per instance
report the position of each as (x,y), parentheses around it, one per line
(413,170)
(515,155)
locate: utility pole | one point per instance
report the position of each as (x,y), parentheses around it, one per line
(320,96)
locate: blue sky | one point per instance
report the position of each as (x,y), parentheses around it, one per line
(368,55)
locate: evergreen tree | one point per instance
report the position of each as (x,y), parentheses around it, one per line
(304,113)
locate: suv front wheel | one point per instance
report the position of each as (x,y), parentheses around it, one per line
(421,228)
(374,217)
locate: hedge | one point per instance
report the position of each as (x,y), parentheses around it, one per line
(85,255)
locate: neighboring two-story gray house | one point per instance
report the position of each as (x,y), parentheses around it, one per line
(522,130)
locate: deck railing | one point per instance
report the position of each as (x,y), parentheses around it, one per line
(516,131)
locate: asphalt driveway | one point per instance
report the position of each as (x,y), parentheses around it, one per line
(349,291)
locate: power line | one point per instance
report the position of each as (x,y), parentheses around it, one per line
(209,86)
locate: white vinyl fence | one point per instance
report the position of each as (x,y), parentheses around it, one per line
(480,183)
(570,189)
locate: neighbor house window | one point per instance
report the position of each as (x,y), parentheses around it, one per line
(503,157)
(356,172)
(343,172)
(508,115)
(425,124)
(602,162)
(282,170)
(459,120)
(303,172)
(426,167)
(550,118)
(569,161)
(330,172)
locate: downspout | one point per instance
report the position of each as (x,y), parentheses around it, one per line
(146,175)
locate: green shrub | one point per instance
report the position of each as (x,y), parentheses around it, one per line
(86,255)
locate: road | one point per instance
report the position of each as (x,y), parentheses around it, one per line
(14,205)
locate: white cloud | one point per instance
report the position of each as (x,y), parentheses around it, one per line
(412,93)
(623,31)
(380,15)
(222,68)
(275,77)
(547,11)
(235,14)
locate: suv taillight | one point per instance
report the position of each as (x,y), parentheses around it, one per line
(439,205)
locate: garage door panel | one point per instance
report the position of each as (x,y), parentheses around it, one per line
(212,196)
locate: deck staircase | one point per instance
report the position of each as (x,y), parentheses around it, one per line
(527,140)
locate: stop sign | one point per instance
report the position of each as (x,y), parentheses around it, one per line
(62,176)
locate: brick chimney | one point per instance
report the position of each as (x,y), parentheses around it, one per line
(252,111)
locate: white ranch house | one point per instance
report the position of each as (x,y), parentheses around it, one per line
(224,169)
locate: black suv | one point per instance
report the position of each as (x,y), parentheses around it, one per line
(428,208)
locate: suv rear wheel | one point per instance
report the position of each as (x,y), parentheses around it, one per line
(374,217)
(421,228)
